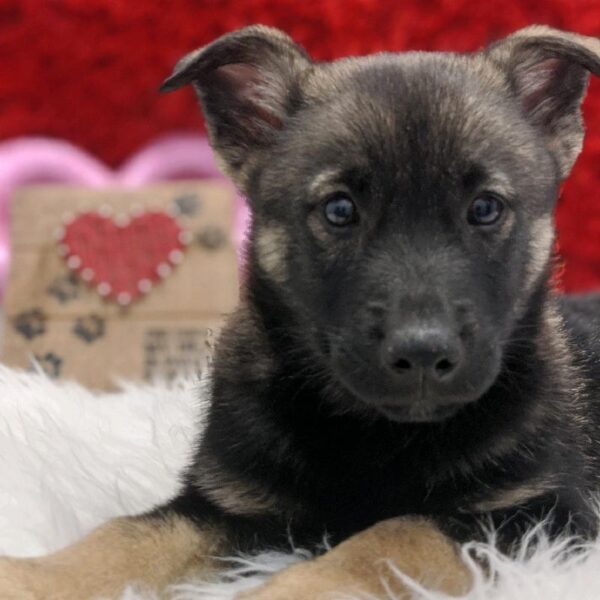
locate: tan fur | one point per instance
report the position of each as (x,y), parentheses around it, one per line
(270,251)
(239,174)
(235,496)
(322,183)
(540,248)
(244,324)
(152,552)
(361,564)
(513,497)
(500,183)
(553,341)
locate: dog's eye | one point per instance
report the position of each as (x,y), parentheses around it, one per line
(486,209)
(340,210)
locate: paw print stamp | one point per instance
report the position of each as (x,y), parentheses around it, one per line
(50,363)
(186,205)
(89,328)
(64,288)
(30,324)
(211,238)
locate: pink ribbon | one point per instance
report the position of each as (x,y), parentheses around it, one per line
(37,160)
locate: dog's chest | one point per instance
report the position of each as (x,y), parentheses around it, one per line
(353,494)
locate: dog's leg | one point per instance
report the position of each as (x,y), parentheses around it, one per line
(152,551)
(361,564)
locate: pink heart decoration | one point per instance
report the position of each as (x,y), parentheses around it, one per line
(36,160)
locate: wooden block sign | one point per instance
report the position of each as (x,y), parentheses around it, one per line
(111,284)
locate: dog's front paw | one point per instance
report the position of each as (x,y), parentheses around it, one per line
(362,565)
(310,580)
(16,579)
(37,579)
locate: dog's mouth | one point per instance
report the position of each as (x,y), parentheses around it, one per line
(417,413)
(410,409)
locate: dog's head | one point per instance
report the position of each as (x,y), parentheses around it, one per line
(402,203)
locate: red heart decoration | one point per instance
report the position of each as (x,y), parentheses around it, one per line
(123,258)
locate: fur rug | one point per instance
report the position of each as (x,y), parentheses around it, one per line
(71,459)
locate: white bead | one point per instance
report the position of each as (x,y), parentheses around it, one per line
(104,288)
(124,298)
(87,274)
(144,285)
(176,256)
(74,262)
(122,220)
(164,270)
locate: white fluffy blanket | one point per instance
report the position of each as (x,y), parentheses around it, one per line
(71,459)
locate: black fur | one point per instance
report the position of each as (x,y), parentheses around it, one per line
(299,437)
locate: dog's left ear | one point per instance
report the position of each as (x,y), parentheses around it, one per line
(548,70)
(248,85)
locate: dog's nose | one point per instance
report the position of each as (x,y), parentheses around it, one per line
(433,352)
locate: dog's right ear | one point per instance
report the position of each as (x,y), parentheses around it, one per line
(548,70)
(248,85)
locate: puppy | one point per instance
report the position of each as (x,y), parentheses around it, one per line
(399,364)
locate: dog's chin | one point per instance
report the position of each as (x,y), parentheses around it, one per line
(417,414)
(402,407)
(421,410)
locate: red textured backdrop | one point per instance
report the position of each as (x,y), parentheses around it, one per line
(88,70)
